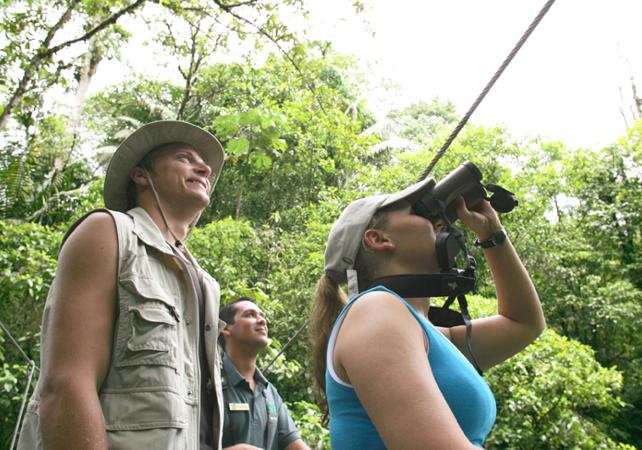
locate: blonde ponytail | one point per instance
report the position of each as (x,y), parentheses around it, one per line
(329,300)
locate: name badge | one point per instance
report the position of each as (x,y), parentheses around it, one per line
(239,407)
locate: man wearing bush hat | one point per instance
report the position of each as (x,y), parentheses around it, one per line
(128,343)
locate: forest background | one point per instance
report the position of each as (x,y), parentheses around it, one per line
(301,144)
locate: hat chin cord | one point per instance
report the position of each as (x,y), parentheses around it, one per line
(177,242)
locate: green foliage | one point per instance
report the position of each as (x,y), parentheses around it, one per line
(27,265)
(308,421)
(280,132)
(232,252)
(44,182)
(420,121)
(301,145)
(13,378)
(118,110)
(252,134)
(552,395)
(581,241)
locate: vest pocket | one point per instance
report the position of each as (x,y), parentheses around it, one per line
(148,333)
(153,338)
(131,410)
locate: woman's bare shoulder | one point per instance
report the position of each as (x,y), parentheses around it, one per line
(380,312)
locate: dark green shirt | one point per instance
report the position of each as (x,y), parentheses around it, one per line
(256,417)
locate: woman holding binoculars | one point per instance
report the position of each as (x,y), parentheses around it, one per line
(392,379)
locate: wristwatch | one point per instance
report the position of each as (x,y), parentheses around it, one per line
(495,240)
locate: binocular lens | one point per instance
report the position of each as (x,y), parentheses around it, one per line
(464,181)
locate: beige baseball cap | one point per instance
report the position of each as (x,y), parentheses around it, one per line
(130,152)
(346,234)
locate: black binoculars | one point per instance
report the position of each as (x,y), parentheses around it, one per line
(464,181)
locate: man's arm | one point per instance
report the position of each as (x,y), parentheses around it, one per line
(297,445)
(77,353)
(242,447)
(288,434)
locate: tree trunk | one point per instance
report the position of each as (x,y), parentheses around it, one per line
(90,60)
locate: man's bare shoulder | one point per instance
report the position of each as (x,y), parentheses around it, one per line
(96,228)
(94,240)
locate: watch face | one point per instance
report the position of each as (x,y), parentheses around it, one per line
(498,238)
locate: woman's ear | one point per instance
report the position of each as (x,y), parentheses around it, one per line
(139,176)
(378,240)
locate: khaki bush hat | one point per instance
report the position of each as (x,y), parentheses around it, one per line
(346,234)
(147,138)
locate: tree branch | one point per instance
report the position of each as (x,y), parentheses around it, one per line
(57,195)
(101,26)
(45,52)
(197,56)
(63,19)
(20,90)
(190,70)
(235,5)
(228,9)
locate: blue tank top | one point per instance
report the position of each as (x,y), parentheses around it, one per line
(466,393)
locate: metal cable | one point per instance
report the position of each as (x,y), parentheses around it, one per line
(456,131)
(15,343)
(287,344)
(490,84)
(32,369)
(25,395)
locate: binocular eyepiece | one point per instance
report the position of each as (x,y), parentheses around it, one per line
(464,181)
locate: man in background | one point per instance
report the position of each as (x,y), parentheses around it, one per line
(255,416)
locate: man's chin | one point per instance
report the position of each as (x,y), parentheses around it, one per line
(198,203)
(264,343)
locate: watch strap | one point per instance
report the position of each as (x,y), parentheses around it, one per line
(495,240)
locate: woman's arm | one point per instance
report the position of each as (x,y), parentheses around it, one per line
(381,351)
(520,318)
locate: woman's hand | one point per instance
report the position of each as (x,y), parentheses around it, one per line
(519,318)
(482,219)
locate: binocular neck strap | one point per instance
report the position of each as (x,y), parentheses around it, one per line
(463,305)
(427,285)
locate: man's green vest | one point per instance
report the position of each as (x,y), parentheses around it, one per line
(150,397)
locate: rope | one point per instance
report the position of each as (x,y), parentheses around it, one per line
(490,84)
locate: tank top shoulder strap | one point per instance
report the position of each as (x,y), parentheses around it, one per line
(428,330)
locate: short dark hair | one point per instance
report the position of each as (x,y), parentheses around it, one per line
(228,312)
